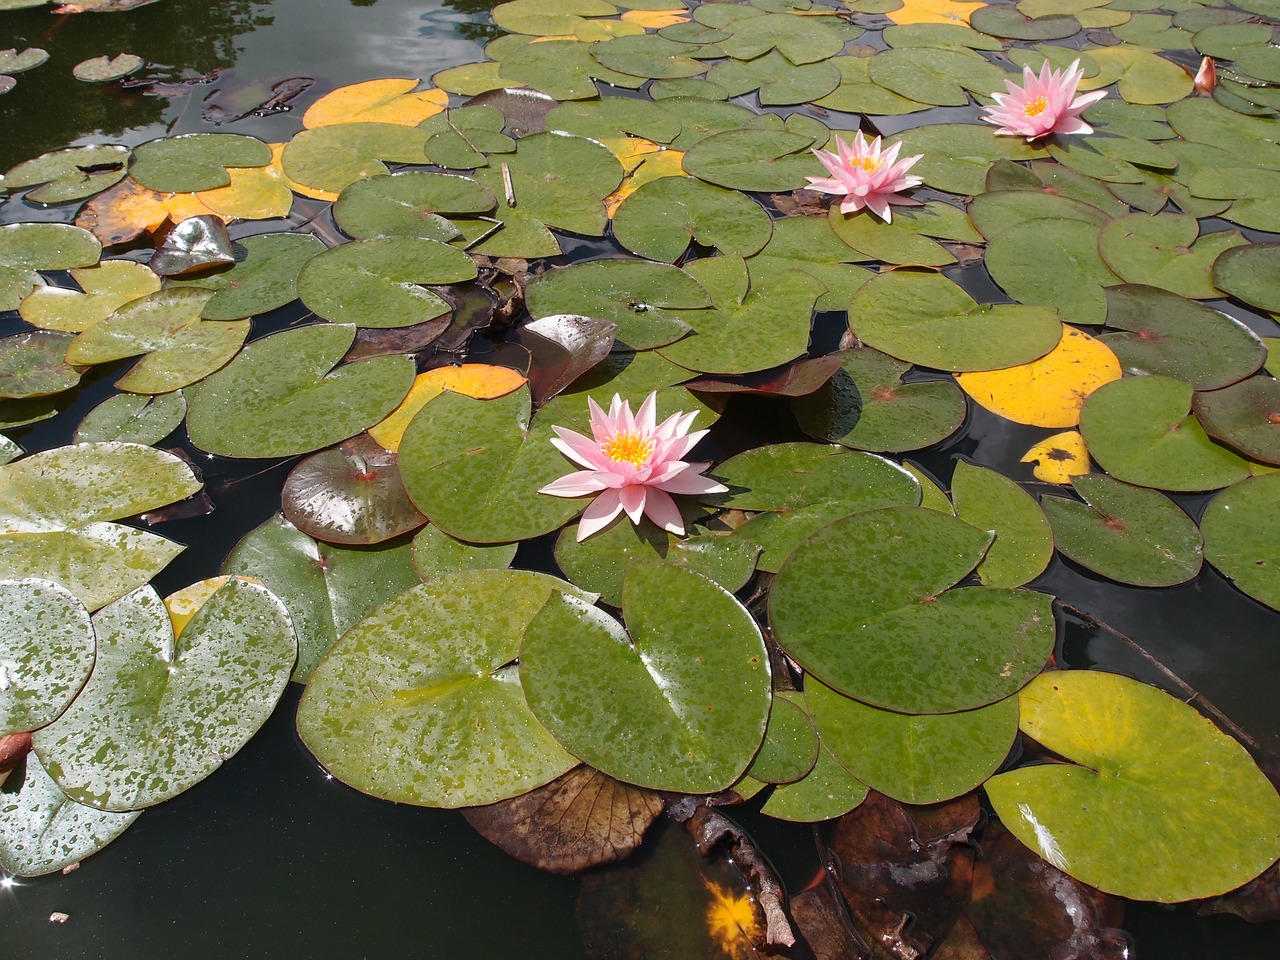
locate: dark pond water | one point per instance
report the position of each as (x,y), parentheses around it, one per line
(270,856)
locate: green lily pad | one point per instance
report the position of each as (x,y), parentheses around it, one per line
(1141,431)
(800,39)
(16,284)
(1244,416)
(687,88)
(409,204)
(107,286)
(55,513)
(266,279)
(1169,335)
(935,75)
(1222,41)
(47,648)
(1240,530)
(548,17)
(104,69)
(195,161)
(924,318)
(73,173)
(333,157)
(1139,120)
(1130,534)
(43,831)
(378,283)
(949,36)
(566,70)
(600,562)
(15,61)
(868,406)
(1123,817)
(159,713)
(914,758)
(1252,191)
(283,396)
(989,500)
(639,297)
(661,218)
(687,641)
(133,418)
(436,553)
(1250,140)
(1140,75)
(791,744)
(890,242)
(904,644)
(1163,251)
(956,156)
(420,701)
(858,93)
(1082,156)
(1251,273)
(1003,208)
(778,81)
(649,56)
(758,161)
(1053,263)
(326,587)
(474,468)
(1153,30)
(459,139)
(614,117)
(828,791)
(33,364)
(47,246)
(1008,23)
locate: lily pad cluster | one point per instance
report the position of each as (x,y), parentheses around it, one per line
(837,623)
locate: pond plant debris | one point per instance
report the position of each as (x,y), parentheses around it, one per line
(820,627)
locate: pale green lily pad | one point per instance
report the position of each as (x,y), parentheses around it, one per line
(1053,262)
(648,56)
(548,17)
(639,297)
(1141,431)
(1240,531)
(858,93)
(778,81)
(326,587)
(1129,534)
(924,318)
(600,562)
(1139,120)
(1154,30)
(160,714)
(758,161)
(800,39)
(133,418)
(613,117)
(914,758)
(43,831)
(868,406)
(904,644)
(700,119)
(1084,158)
(420,701)
(1223,40)
(687,640)
(827,792)
(1253,192)
(989,500)
(16,284)
(1001,209)
(47,246)
(335,156)
(1250,140)
(104,69)
(563,69)
(55,509)
(33,364)
(1122,816)
(768,328)
(266,279)
(470,79)
(378,283)
(662,217)
(633,376)
(1251,273)
(283,396)
(474,468)
(950,36)
(791,745)
(935,75)
(932,495)
(1163,333)
(15,61)
(195,161)
(46,648)
(890,242)
(1140,75)
(409,204)
(73,173)
(1009,23)
(1163,251)
(435,553)
(956,156)
(107,286)
(1245,416)
(686,88)
(459,139)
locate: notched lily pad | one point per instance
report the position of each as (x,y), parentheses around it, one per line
(194,161)
(34,364)
(47,650)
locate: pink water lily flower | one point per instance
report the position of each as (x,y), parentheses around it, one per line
(866,176)
(633,465)
(1043,105)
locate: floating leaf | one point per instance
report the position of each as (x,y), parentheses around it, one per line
(436,553)
(33,364)
(934,75)
(192,246)
(1129,534)
(1050,391)
(777,80)
(1023,545)
(133,418)
(1007,22)
(1141,431)
(890,242)
(391,100)
(420,702)
(1140,75)
(282,396)
(265,280)
(956,156)
(327,159)
(194,161)
(760,161)
(481,381)
(1199,787)
(327,588)
(913,758)
(1250,273)
(69,174)
(548,17)
(107,286)
(409,204)
(661,218)
(47,650)
(791,744)
(564,69)
(103,69)
(1053,263)
(1163,251)
(687,639)
(47,246)
(1244,416)
(160,714)
(1059,458)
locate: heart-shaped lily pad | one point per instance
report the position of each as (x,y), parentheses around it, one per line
(266,279)
(330,158)
(1251,273)
(161,713)
(687,640)
(1054,263)
(934,75)
(1130,534)
(194,161)
(956,156)
(46,648)
(384,711)
(73,173)
(107,285)
(759,161)
(436,553)
(1199,794)
(661,218)
(283,396)
(902,643)
(1240,530)
(409,204)
(777,80)
(47,246)
(34,364)
(1163,251)
(989,500)
(1245,416)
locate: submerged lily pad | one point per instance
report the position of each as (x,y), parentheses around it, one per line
(1121,817)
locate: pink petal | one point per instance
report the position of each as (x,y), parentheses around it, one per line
(578,484)
(633,499)
(662,510)
(646,416)
(601,512)
(692,483)
(578,448)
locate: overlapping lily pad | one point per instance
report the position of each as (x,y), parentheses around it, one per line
(1023,545)
(661,218)
(34,364)
(267,277)
(409,204)
(47,649)
(74,173)
(1240,530)
(194,161)
(133,418)
(1244,416)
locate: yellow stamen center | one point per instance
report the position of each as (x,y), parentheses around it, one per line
(1036,107)
(867,162)
(630,446)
